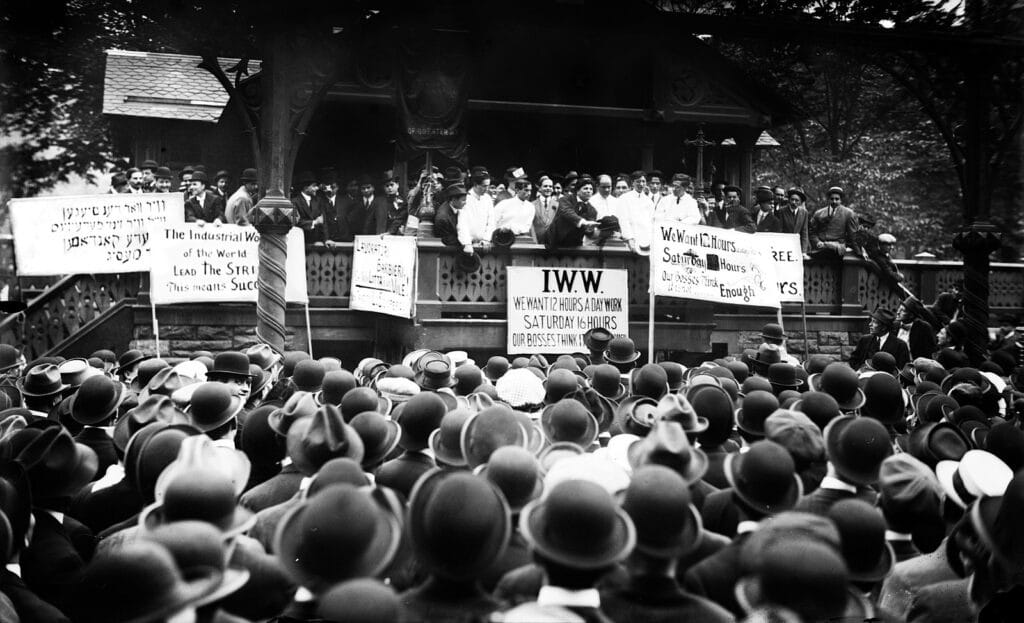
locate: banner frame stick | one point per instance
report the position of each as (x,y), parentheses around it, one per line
(803,310)
(650,328)
(778,316)
(309,330)
(156,326)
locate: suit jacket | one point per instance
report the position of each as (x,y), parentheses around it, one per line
(943,602)
(715,576)
(868,346)
(794,222)
(51,565)
(770,222)
(840,227)
(356,213)
(658,599)
(334,228)
(211,209)
(382,210)
(308,211)
(722,514)
(446,225)
(822,499)
(909,577)
(542,217)
(740,219)
(430,602)
(565,230)
(274,491)
(102,509)
(28,605)
(921,341)
(402,473)
(102,444)
(266,522)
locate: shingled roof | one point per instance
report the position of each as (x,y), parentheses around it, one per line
(164,86)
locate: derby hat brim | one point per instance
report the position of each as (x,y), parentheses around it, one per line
(241,521)
(839,457)
(131,362)
(854,402)
(585,440)
(448,456)
(752,498)
(372,456)
(89,418)
(621,539)
(608,356)
(682,544)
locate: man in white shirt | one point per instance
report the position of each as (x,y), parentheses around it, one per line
(639,181)
(681,206)
(603,201)
(516,213)
(476,221)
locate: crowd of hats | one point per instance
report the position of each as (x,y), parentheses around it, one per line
(254,485)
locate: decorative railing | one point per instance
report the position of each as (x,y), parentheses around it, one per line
(833,287)
(67,307)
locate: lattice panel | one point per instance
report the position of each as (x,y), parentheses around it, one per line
(639,279)
(947,278)
(873,292)
(821,283)
(487,285)
(328,272)
(1005,288)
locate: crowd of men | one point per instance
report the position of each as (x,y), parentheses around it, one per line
(472,212)
(255,486)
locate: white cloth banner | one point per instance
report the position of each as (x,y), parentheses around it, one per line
(89,233)
(549,309)
(711,264)
(384,275)
(789,265)
(210,264)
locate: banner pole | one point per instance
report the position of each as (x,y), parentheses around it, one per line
(309,331)
(778,316)
(156,326)
(650,328)
(803,309)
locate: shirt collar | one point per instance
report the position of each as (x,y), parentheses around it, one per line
(58,516)
(14,568)
(746,526)
(831,482)
(896,536)
(557,596)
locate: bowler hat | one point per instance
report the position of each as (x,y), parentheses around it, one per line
(659,503)
(649,380)
(229,365)
(446,440)
(486,431)
(856,447)
(817,363)
(578,525)
(136,583)
(200,176)
(196,547)
(9,357)
(569,420)
(467,263)
(146,371)
(839,380)
(716,406)
(96,400)
(621,350)
(249,175)
(455,190)
(977,474)
(57,467)
(450,542)
(559,384)
(938,441)
(338,534)
(290,359)
(496,367)
(883,398)
(379,435)
(150,451)
(608,382)
(130,358)
(419,417)
(882,362)
(213,405)
(335,385)
(467,378)
(503,238)
(357,400)
(796,190)
(764,477)
(308,375)
(517,473)
(740,371)
(155,408)
(1006,441)
(772,331)
(668,445)
(783,376)
(162,173)
(757,406)
(862,532)
(674,373)
(361,599)
(41,380)
(313,440)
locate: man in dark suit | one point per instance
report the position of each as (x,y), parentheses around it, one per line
(202,206)
(914,330)
(764,216)
(573,216)
(388,213)
(793,217)
(736,216)
(881,336)
(446,219)
(359,211)
(310,220)
(335,225)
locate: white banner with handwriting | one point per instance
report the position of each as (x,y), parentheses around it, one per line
(89,233)
(384,275)
(711,264)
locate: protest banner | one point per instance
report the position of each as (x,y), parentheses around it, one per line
(384,275)
(789,264)
(549,309)
(208,264)
(711,264)
(89,233)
